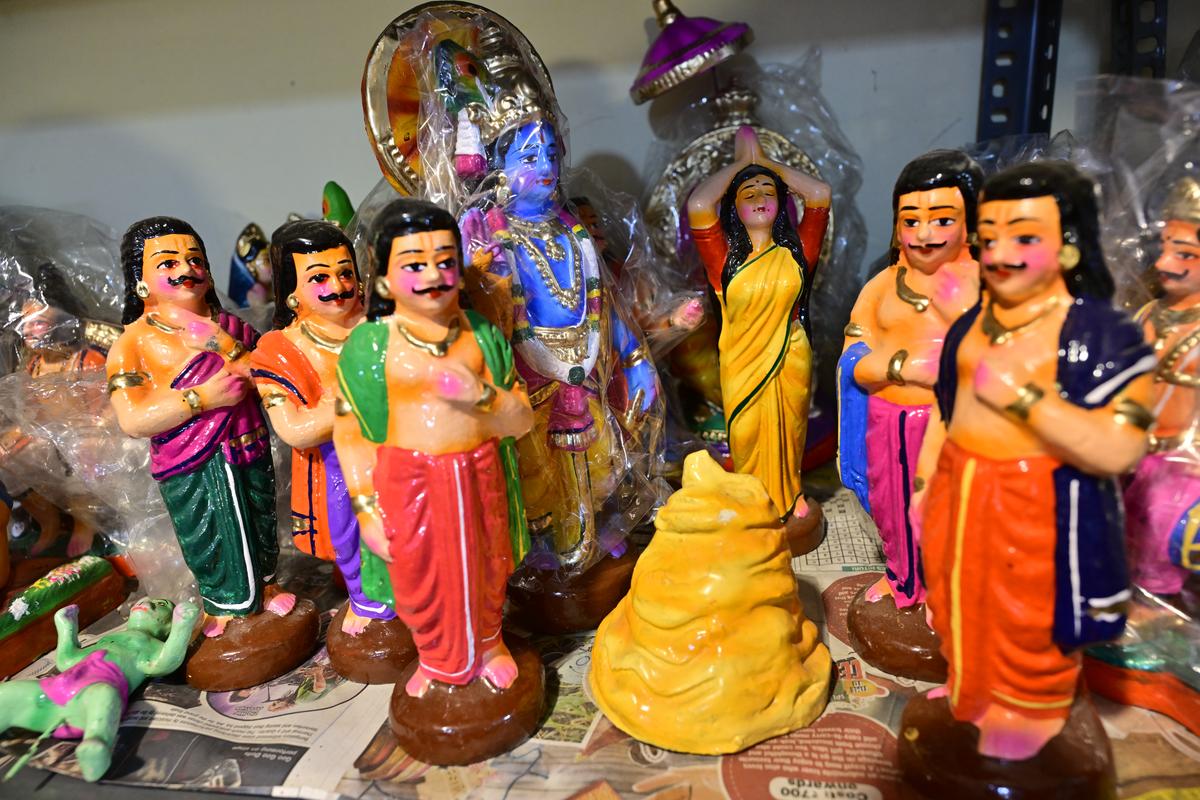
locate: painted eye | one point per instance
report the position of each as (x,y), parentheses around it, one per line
(197,262)
(1185,256)
(1028,239)
(170,263)
(944,222)
(449,263)
(414,267)
(319,278)
(988,244)
(530,159)
(909,223)
(347,274)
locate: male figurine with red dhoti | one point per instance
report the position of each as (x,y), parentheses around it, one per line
(1041,400)
(427,393)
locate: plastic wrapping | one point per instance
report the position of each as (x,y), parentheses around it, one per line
(783,102)
(473,125)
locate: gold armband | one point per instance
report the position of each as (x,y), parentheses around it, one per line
(364,503)
(1131,412)
(487,399)
(894,366)
(274,399)
(854,331)
(237,351)
(192,398)
(126,380)
(918,483)
(635,357)
(1027,395)
(342,407)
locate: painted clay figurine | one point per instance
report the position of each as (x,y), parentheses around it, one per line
(1162,500)
(427,392)
(249,268)
(1042,397)
(318,301)
(87,699)
(711,652)
(178,377)
(545,280)
(758,264)
(886,377)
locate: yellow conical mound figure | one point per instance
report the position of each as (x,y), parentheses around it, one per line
(710,652)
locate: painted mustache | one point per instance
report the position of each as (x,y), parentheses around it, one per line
(346,295)
(929,246)
(445,287)
(1171,276)
(186,280)
(1005,267)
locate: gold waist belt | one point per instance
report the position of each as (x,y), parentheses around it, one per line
(568,344)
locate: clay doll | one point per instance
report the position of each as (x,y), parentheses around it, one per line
(89,697)
(1042,397)
(546,283)
(178,377)
(426,393)
(318,301)
(758,264)
(1161,498)
(249,268)
(887,371)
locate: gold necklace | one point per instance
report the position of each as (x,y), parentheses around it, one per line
(435,349)
(154,322)
(1164,319)
(314,335)
(998,333)
(915,299)
(548,231)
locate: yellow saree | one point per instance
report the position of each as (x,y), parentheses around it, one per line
(765,370)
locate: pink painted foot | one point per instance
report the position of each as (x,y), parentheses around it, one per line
(800,510)
(353,624)
(499,668)
(418,684)
(282,604)
(941,691)
(81,540)
(1015,737)
(214,626)
(878,590)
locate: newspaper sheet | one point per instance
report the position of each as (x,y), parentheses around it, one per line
(311,734)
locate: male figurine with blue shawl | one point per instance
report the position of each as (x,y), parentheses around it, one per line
(886,377)
(1041,400)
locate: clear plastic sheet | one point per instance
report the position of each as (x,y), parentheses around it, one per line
(491,145)
(797,127)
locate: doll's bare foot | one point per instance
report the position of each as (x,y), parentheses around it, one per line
(941,691)
(81,539)
(418,684)
(282,604)
(1016,737)
(353,624)
(499,668)
(878,590)
(214,626)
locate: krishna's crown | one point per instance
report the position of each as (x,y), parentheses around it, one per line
(1183,202)
(512,105)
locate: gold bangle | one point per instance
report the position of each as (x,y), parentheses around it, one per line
(894,366)
(854,330)
(342,407)
(274,399)
(1131,412)
(192,398)
(918,483)
(487,399)
(635,357)
(364,503)
(1027,395)
(125,380)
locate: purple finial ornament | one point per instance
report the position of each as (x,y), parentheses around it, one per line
(685,47)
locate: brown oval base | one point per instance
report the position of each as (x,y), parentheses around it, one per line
(254,649)
(455,725)
(895,640)
(377,655)
(938,759)
(806,534)
(548,602)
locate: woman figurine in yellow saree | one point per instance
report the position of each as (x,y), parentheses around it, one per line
(760,265)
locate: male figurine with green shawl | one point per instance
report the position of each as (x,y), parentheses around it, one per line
(428,407)
(89,696)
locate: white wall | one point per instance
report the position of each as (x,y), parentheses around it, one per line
(223,111)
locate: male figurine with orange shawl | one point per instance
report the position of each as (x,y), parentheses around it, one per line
(317,303)
(1041,399)
(885,381)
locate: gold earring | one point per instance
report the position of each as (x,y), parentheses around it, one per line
(141,289)
(1068,257)
(382,289)
(293,302)
(502,190)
